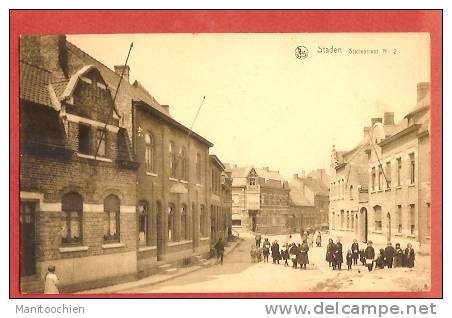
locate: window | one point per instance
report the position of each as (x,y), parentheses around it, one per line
(352,218)
(172,153)
(143,223)
(399,170)
(111,218)
(412,219)
(377,215)
(343,189)
(252,181)
(149,152)
(348,220)
(388,175)
(84,136)
(373,179)
(184,164)
(380,177)
(183,223)
(198,168)
(171,221)
(351,193)
(100,142)
(71,221)
(399,219)
(342,219)
(412,168)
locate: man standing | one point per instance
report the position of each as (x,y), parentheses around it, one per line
(355,252)
(389,255)
(258,240)
(219,247)
(370,255)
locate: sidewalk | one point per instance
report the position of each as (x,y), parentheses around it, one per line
(159,278)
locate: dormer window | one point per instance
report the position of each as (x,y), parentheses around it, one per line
(100,142)
(252,181)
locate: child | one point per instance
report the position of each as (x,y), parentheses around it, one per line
(285,255)
(349,259)
(259,254)
(362,257)
(253,254)
(380,262)
(51,281)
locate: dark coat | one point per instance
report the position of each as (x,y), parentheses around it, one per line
(409,257)
(285,254)
(266,248)
(398,257)
(369,253)
(389,253)
(330,252)
(380,262)
(275,251)
(219,247)
(303,255)
(338,257)
(355,250)
(349,258)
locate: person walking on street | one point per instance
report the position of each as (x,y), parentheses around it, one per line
(258,240)
(318,239)
(355,252)
(266,249)
(389,255)
(338,257)
(219,248)
(276,256)
(330,252)
(370,255)
(303,258)
(51,281)
(409,256)
(398,256)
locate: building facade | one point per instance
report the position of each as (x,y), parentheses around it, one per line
(260,199)
(381,189)
(110,191)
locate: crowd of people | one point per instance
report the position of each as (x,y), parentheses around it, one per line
(298,254)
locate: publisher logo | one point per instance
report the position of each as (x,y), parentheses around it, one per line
(301,52)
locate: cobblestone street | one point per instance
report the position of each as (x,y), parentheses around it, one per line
(239,274)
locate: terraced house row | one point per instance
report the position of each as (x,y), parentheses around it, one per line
(109,191)
(380,189)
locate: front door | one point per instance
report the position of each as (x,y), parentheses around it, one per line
(27,238)
(160,233)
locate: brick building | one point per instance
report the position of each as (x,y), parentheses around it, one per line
(260,199)
(139,194)
(309,200)
(380,190)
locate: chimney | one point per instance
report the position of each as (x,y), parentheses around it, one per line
(422,90)
(376,120)
(166,108)
(389,118)
(46,51)
(366,131)
(120,68)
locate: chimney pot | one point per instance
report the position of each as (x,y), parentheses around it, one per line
(119,69)
(376,120)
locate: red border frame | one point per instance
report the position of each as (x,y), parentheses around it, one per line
(230,21)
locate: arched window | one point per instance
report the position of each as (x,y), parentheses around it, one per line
(342,219)
(144,234)
(172,152)
(184,164)
(183,223)
(198,168)
(171,221)
(149,152)
(71,219)
(111,218)
(203,221)
(351,192)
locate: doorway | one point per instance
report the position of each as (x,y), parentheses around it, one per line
(160,233)
(363,225)
(388,218)
(27,238)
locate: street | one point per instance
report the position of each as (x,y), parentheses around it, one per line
(239,274)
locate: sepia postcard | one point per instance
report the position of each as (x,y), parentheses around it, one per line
(227,163)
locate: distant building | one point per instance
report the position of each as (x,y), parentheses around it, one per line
(260,199)
(309,201)
(380,190)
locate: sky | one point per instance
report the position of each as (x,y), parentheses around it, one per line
(263,105)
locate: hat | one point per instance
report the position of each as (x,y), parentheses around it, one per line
(51,268)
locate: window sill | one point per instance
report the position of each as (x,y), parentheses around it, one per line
(199,185)
(411,185)
(398,234)
(112,245)
(411,236)
(147,248)
(388,190)
(399,187)
(183,181)
(80,155)
(377,232)
(204,238)
(179,243)
(428,238)
(173,179)
(151,174)
(73,249)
